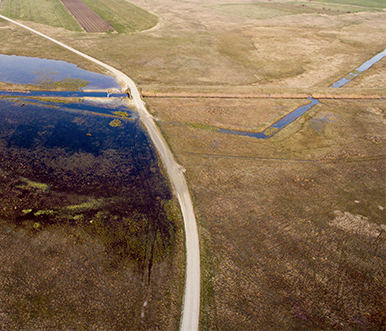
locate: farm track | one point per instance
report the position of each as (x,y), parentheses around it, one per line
(88,19)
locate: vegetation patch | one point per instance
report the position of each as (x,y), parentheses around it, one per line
(363,3)
(115,123)
(72,84)
(122,15)
(45,12)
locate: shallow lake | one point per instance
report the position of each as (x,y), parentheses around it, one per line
(43,72)
(85,211)
(57,155)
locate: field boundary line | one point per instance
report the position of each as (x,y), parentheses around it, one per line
(151,94)
(348,159)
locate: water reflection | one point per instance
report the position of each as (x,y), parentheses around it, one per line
(43,72)
(79,158)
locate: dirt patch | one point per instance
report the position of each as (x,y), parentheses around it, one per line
(356,224)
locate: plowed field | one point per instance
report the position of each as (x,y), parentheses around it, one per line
(87,18)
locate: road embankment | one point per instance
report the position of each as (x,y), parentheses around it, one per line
(316,95)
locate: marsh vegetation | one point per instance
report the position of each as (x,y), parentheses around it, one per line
(88,200)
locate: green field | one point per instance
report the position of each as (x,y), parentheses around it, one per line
(364,3)
(122,15)
(45,12)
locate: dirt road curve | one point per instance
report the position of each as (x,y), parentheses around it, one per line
(191,304)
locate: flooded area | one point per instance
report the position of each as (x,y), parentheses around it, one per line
(51,73)
(82,164)
(85,208)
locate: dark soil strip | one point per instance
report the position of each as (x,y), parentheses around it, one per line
(87,18)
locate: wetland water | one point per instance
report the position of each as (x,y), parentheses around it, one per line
(43,72)
(80,183)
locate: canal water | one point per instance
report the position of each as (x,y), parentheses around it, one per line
(275,127)
(368,64)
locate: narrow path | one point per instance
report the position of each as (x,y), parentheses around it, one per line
(191,304)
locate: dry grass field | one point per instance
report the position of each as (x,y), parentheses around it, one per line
(292,228)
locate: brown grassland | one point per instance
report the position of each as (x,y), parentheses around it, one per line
(292,228)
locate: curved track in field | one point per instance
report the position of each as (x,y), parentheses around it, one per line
(191,304)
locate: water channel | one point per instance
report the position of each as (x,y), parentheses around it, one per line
(368,64)
(275,127)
